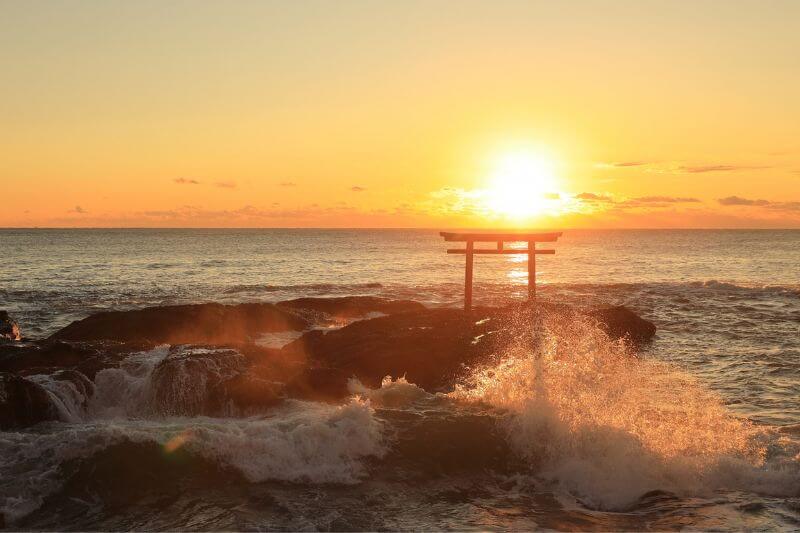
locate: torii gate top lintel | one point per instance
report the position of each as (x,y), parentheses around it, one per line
(515,236)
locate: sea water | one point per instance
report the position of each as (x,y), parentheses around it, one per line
(700,431)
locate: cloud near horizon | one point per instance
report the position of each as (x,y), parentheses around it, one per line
(667,199)
(593,197)
(717,168)
(356,188)
(186,181)
(623,164)
(677,167)
(738,201)
(225,184)
(641,201)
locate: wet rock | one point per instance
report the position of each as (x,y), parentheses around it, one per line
(9,329)
(619,322)
(188,382)
(210,323)
(431,348)
(23,403)
(211,381)
(320,383)
(43,358)
(248,393)
(349,307)
(82,384)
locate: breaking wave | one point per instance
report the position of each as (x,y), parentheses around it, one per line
(299,442)
(564,407)
(590,417)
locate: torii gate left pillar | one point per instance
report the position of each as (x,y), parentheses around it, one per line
(500,238)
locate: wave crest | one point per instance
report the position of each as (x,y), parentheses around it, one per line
(589,416)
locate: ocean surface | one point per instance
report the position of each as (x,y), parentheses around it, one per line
(701,432)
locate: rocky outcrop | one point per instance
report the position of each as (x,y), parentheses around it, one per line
(349,307)
(210,323)
(193,381)
(9,329)
(43,358)
(214,368)
(621,322)
(430,348)
(23,403)
(435,347)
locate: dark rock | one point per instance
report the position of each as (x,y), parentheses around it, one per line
(194,380)
(340,311)
(210,323)
(23,403)
(44,357)
(435,347)
(9,329)
(320,384)
(353,306)
(82,384)
(431,348)
(619,322)
(249,393)
(188,382)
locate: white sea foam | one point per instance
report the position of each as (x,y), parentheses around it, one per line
(64,395)
(300,442)
(142,387)
(608,427)
(124,391)
(392,392)
(305,441)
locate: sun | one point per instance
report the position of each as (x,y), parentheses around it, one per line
(522,184)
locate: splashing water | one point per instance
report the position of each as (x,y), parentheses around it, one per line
(608,427)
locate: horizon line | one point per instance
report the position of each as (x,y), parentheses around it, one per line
(418,228)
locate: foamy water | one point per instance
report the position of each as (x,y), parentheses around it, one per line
(565,431)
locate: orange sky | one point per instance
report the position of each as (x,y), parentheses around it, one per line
(399,114)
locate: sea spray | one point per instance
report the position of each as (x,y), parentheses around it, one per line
(165,381)
(589,416)
(300,442)
(392,392)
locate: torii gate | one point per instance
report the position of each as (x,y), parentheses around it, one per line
(499,238)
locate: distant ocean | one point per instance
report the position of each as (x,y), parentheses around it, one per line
(726,304)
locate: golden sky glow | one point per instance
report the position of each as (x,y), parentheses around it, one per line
(400,114)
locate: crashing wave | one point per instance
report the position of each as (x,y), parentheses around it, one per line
(609,427)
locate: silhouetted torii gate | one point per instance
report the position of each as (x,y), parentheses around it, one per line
(499,238)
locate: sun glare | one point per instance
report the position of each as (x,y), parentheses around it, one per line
(522,184)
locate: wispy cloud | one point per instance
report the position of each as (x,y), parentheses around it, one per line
(248,213)
(689,169)
(678,167)
(605,201)
(667,199)
(186,181)
(356,188)
(287,184)
(593,197)
(738,201)
(622,164)
(225,184)
(78,209)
